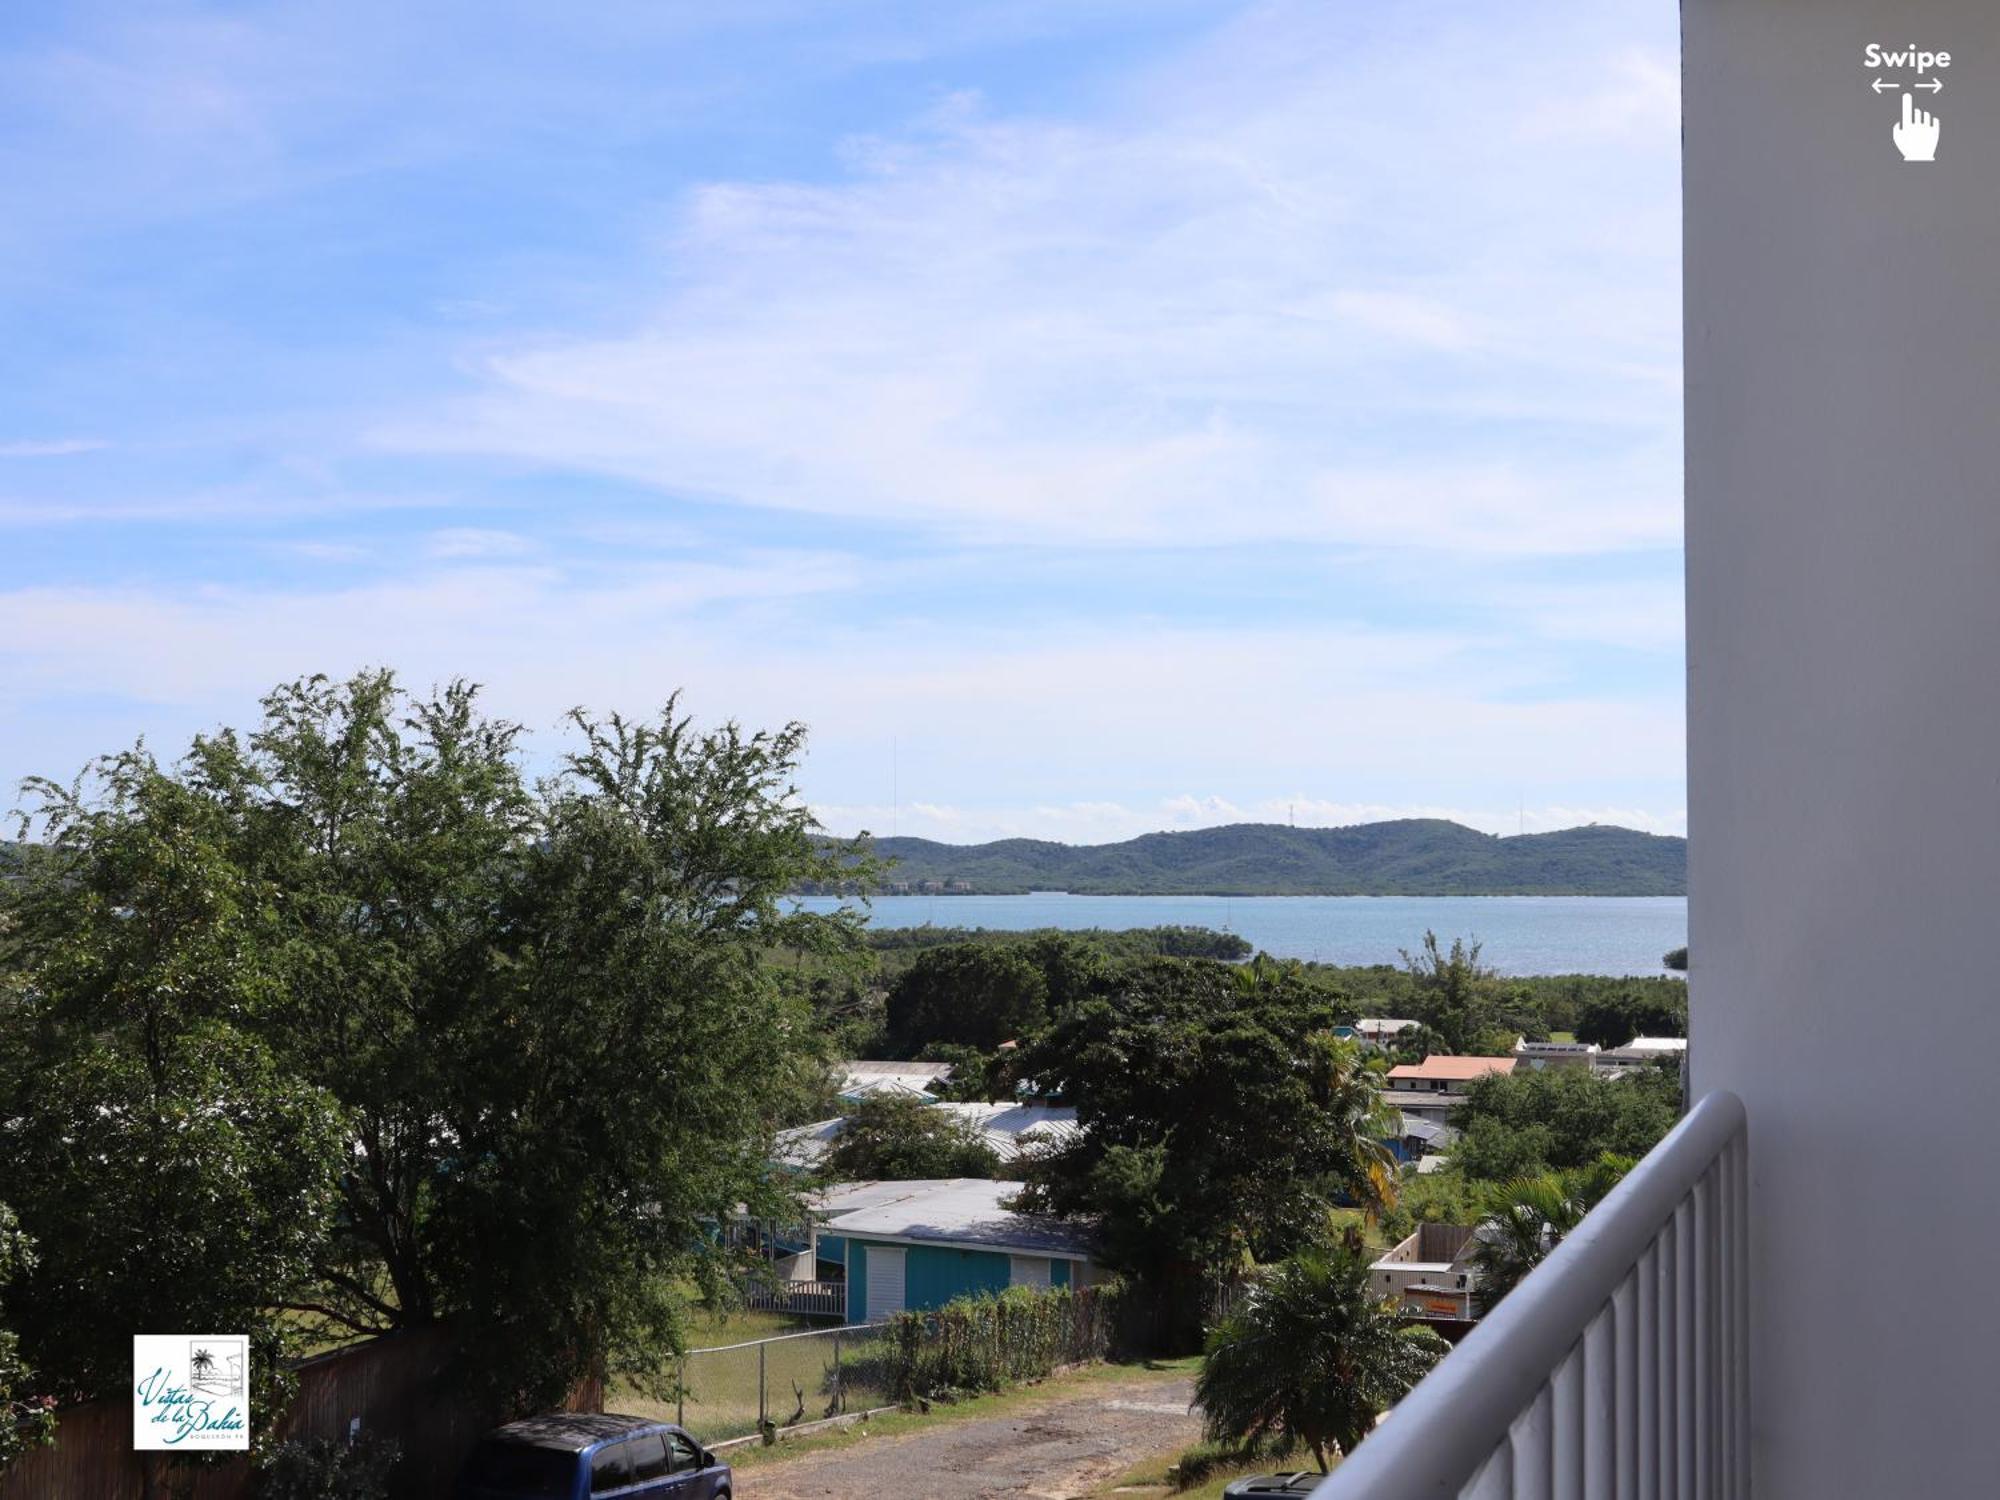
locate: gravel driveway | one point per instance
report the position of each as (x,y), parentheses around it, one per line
(1064,1447)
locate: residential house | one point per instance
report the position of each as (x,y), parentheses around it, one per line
(1376,1031)
(1431,1088)
(1540,1055)
(1431,1273)
(1420,1137)
(916,1245)
(1643,1052)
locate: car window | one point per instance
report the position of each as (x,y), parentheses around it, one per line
(649,1457)
(521,1472)
(610,1468)
(686,1454)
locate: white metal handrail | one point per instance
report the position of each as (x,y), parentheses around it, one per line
(1618,1368)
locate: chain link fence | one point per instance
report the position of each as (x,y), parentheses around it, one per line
(789,1380)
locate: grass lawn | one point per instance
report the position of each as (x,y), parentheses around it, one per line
(794,1379)
(714,1330)
(998,1404)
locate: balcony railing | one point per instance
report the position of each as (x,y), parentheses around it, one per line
(1617,1370)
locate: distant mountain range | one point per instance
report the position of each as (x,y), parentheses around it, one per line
(1407,857)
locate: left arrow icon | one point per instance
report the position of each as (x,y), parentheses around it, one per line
(1880,84)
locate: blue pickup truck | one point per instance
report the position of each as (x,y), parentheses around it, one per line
(588,1455)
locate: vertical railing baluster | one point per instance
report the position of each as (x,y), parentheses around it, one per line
(1567,1425)
(1701,1473)
(1648,1373)
(1675,1392)
(1740,1247)
(1625,1303)
(1597,1444)
(1667,1347)
(1532,1440)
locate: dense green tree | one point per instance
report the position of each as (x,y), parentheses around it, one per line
(546,1019)
(1314,1356)
(972,995)
(27,1418)
(1454,993)
(1559,1119)
(899,1138)
(1218,1119)
(1614,1019)
(170,1171)
(1528,1217)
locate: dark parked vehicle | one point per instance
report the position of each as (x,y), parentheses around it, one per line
(584,1455)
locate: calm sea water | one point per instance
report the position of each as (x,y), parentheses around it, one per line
(1521,934)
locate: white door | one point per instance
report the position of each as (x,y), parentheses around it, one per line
(1028,1270)
(885,1281)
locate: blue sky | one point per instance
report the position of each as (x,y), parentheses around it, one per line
(1088,417)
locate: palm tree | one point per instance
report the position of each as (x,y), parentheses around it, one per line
(1348,1091)
(199,1365)
(1527,1218)
(1313,1356)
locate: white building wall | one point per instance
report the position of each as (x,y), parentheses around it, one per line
(1843,536)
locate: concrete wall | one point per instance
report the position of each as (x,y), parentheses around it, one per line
(1843,492)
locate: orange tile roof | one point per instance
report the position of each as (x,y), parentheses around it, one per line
(1455,1068)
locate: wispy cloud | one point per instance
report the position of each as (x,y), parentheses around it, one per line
(1230,312)
(50,447)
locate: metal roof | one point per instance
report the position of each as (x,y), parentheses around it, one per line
(950,1211)
(1007,1128)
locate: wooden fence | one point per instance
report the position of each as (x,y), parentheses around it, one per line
(394,1388)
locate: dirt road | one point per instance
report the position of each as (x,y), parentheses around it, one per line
(1052,1450)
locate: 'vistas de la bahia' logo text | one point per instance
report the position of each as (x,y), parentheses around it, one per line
(191,1391)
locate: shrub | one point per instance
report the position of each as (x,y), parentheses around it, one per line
(986,1343)
(323,1469)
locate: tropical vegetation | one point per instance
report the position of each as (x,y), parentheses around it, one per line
(1528,1217)
(903,1138)
(1314,1356)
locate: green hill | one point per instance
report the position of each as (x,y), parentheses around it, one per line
(1408,857)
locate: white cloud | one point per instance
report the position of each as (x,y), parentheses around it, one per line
(51,447)
(476,542)
(1265,299)
(1065,722)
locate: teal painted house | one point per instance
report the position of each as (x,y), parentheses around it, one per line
(916,1245)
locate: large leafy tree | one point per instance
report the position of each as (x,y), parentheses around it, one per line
(1560,1119)
(542,1014)
(967,994)
(171,1172)
(1218,1117)
(25,1418)
(900,1137)
(1613,1020)
(1313,1356)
